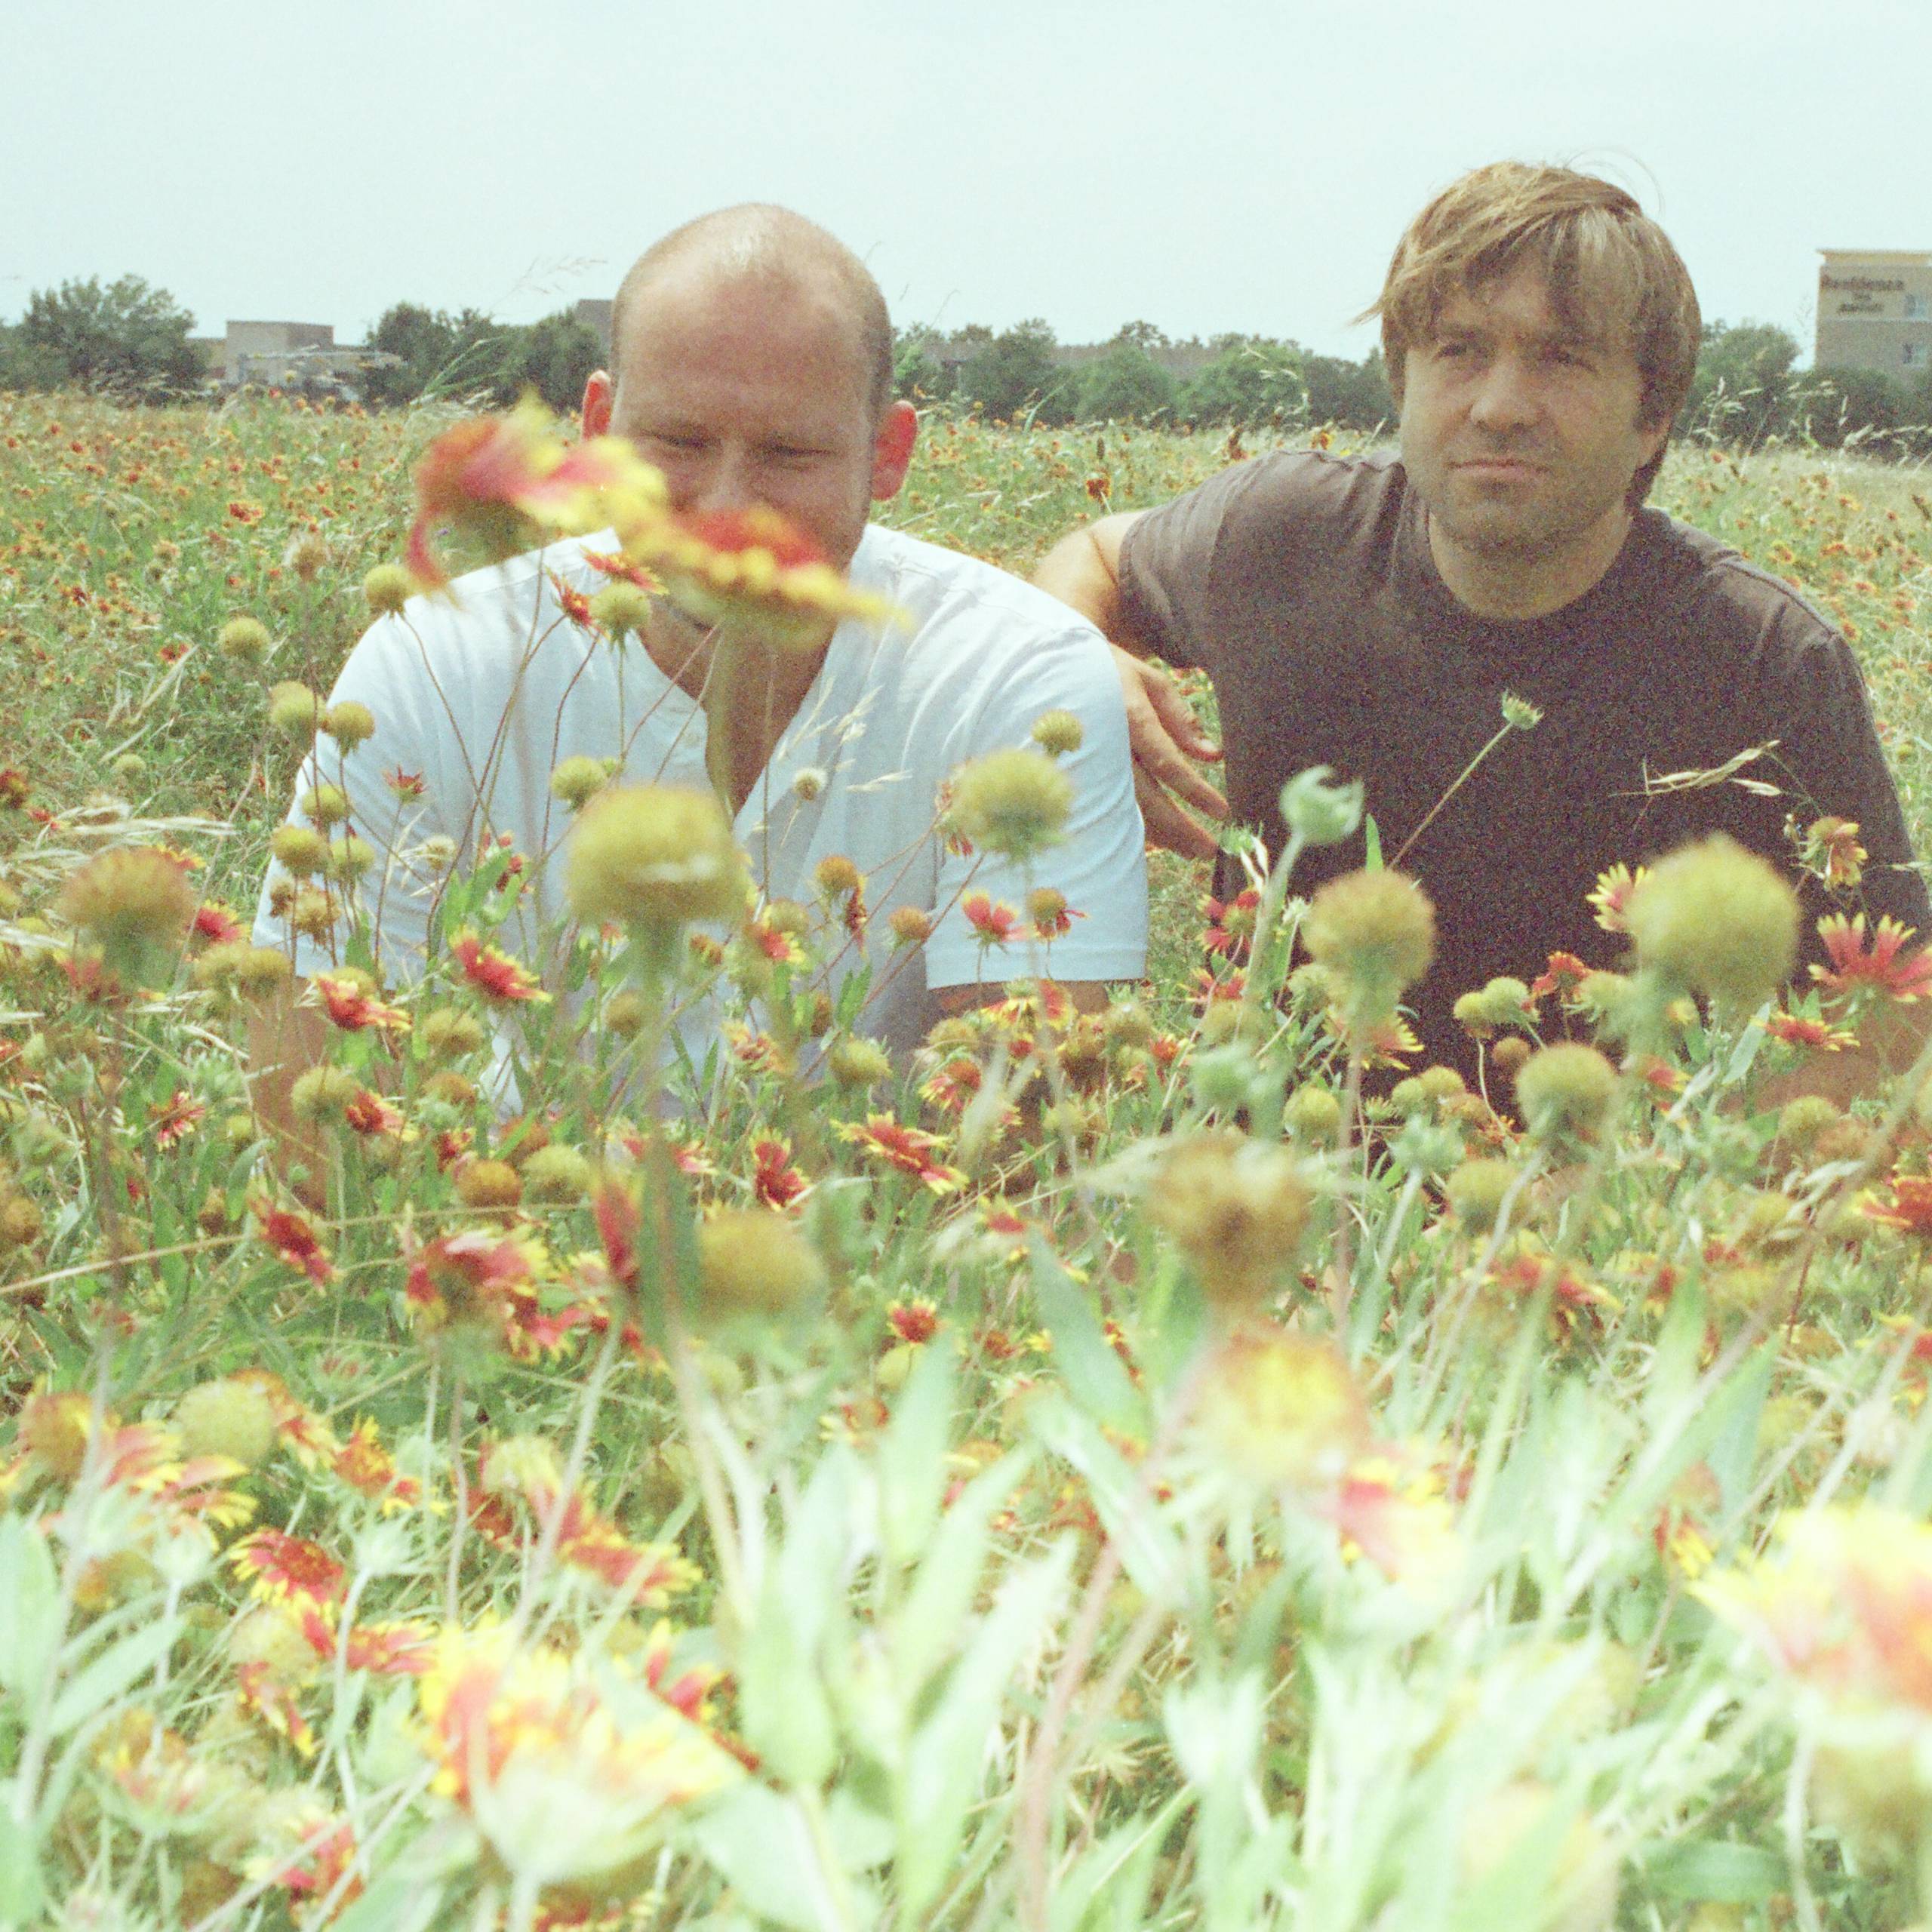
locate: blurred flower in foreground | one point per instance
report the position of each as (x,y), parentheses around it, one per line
(567,1767)
(1841,1604)
(748,570)
(502,478)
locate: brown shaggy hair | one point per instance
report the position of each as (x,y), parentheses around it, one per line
(1610,272)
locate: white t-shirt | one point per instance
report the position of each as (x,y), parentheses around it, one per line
(483,695)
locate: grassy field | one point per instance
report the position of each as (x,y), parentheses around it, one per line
(1183,1496)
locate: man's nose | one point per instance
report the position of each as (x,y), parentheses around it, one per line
(1505,398)
(727,483)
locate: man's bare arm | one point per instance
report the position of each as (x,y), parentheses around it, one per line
(1087,996)
(1083,569)
(1890,1038)
(286,1037)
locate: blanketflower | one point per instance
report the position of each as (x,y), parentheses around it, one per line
(497,477)
(906,1149)
(351,1005)
(368,1468)
(749,569)
(175,1119)
(994,924)
(1842,1601)
(281,1568)
(494,973)
(1611,893)
(775,1181)
(916,1321)
(295,1241)
(1832,850)
(1803,1030)
(1910,1208)
(567,1767)
(1884,965)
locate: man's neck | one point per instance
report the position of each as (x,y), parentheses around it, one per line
(750,688)
(1512,586)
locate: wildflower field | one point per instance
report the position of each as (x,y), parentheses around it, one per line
(1112,1475)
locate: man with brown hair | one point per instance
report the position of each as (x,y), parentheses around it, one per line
(1369,614)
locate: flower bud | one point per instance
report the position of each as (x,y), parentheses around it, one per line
(387,588)
(243,640)
(1015,804)
(1564,1091)
(655,855)
(753,1261)
(131,899)
(1318,811)
(349,724)
(1058,734)
(857,1061)
(577,781)
(621,608)
(1476,1190)
(294,711)
(234,1417)
(1236,1208)
(557,1175)
(1373,934)
(1717,921)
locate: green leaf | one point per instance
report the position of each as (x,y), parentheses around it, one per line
(761,1842)
(399,1899)
(1150,1550)
(1095,1375)
(1371,834)
(947,1759)
(116,1669)
(31,1621)
(936,1608)
(911,1460)
(1720,1871)
(787,1715)
(22,1893)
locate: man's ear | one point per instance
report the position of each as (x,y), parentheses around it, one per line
(598,392)
(892,449)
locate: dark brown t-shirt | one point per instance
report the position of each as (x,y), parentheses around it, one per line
(1302,584)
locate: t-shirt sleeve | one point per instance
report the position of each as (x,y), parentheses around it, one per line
(1100,866)
(1832,763)
(1168,564)
(398,790)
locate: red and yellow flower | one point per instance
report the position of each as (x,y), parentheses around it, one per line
(885,1141)
(1884,965)
(500,979)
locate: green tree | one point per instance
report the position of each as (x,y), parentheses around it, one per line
(1840,408)
(27,365)
(1743,389)
(1352,395)
(918,374)
(1126,385)
(1251,382)
(1016,375)
(553,356)
(127,337)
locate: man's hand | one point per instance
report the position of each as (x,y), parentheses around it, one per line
(1083,569)
(1165,735)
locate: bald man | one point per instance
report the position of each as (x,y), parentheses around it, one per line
(751,362)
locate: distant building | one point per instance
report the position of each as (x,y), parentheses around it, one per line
(1875,310)
(594,312)
(303,356)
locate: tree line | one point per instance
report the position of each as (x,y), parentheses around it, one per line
(128,338)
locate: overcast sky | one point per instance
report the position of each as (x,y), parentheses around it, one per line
(1219,165)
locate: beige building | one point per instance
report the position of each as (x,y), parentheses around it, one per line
(290,355)
(1875,311)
